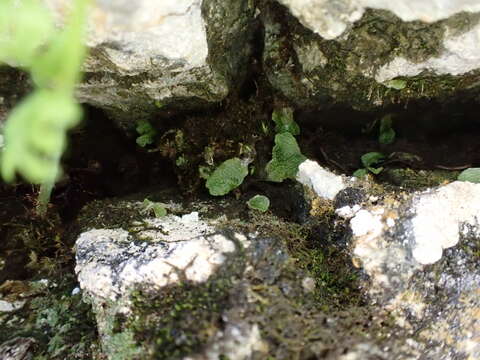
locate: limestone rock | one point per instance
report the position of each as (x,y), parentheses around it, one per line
(361,55)
(331,18)
(173,54)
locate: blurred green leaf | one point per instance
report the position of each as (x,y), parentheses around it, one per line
(35,135)
(25,26)
(387,134)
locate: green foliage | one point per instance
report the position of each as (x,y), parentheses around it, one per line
(369,160)
(471,175)
(35,132)
(158,209)
(397,84)
(36,135)
(146,132)
(226,177)
(24,27)
(284,122)
(387,134)
(286,157)
(259,202)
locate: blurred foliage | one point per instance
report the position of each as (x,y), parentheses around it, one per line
(35,132)
(226,177)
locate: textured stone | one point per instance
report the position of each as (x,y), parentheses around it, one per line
(173,54)
(331,18)
(357,51)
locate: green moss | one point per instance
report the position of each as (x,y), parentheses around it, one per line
(418,179)
(61,324)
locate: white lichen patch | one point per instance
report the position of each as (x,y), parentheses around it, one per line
(110,263)
(460,54)
(325,183)
(440,214)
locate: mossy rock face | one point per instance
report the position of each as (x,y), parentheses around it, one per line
(354,69)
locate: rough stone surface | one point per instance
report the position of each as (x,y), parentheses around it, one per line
(172,54)
(344,285)
(370,58)
(331,18)
(111,263)
(393,240)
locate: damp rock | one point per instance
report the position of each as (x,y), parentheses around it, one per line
(146,55)
(420,252)
(331,18)
(19,348)
(370,54)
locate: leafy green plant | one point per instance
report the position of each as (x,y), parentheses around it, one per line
(386,133)
(370,162)
(471,175)
(284,122)
(259,202)
(227,176)
(286,157)
(35,131)
(146,133)
(397,84)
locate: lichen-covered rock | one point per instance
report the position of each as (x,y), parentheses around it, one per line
(173,54)
(331,18)
(370,58)
(396,240)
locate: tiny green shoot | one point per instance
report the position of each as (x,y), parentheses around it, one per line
(259,202)
(386,134)
(146,133)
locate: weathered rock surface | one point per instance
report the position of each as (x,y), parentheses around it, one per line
(331,18)
(370,58)
(147,54)
(269,288)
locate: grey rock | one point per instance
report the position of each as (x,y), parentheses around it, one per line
(363,56)
(177,55)
(331,18)
(19,348)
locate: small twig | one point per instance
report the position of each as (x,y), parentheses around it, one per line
(453,168)
(332,162)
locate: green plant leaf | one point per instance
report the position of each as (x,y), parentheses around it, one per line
(286,157)
(372,158)
(360,173)
(144,140)
(259,202)
(59,66)
(471,175)
(375,171)
(25,26)
(146,131)
(397,84)
(35,135)
(226,177)
(387,134)
(284,122)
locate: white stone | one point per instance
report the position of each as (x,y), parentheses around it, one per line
(365,223)
(9,306)
(330,18)
(325,183)
(110,263)
(439,217)
(347,212)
